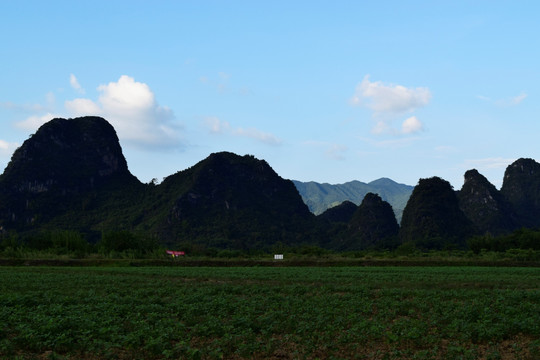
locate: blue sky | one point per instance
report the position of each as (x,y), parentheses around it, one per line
(328,91)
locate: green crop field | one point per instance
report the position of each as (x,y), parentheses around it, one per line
(269,312)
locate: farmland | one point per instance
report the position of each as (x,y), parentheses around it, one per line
(269,312)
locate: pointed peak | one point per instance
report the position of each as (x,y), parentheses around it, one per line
(474,178)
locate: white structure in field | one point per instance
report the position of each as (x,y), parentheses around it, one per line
(278,257)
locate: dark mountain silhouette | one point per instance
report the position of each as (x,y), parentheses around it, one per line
(373,225)
(320,197)
(232,201)
(341,213)
(485,206)
(67,168)
(432,218)
(70,156)
(72,175)
(521,188)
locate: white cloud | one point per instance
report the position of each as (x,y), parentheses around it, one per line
(488,163)
(381,127)
(75,84)
(394,143)
(50,99)
(224,76)
(8,105)
(215,125)
(222,84)
(132,109)
(511,101)
(518,99)
(258,135)
(389,99)
(412,125)
(336,151)
(6,151)
(331,150)
(7,148)
(35,121)
(483,98)
(445,149)
(31,108)
(82,106)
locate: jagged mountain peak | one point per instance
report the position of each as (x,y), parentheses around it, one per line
(524,166)
(484,205)
(471,175)
(474,181)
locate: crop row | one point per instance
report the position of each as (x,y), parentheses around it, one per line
(393,313)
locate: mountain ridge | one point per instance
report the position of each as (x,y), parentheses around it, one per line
(72,175)
(321,196)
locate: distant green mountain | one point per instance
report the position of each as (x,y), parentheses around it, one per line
(320,197)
